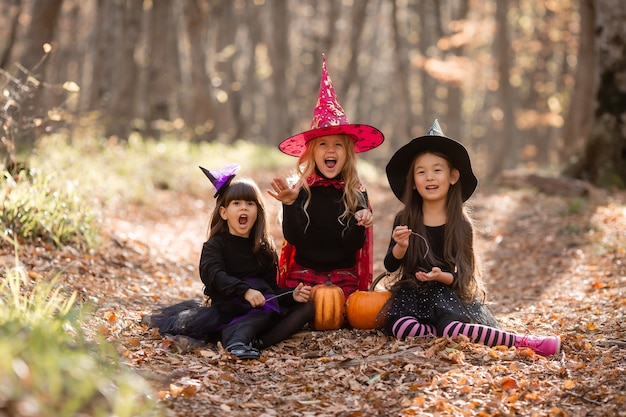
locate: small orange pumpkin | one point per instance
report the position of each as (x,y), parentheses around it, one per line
(362,307)
(329,303)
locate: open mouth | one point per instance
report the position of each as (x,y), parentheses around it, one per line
(243,220)
(330,163)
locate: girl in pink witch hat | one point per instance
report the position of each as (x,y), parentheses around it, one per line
(327,218)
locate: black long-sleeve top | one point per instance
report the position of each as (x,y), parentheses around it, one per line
(226,260)
(435,238)
(322,243)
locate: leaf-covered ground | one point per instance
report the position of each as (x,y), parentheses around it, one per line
(552,264)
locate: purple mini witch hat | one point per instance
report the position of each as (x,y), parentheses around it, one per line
(330,119)
(221,179)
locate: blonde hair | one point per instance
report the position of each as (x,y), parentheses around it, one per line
(353,189)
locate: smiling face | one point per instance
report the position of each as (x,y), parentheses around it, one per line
(240,215)
(433,176)
(329,153)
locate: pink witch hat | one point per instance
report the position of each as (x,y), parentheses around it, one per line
(330,119)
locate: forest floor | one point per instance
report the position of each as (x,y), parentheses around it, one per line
(554,265)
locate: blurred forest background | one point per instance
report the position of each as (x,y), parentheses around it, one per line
(108,107)
(531,84)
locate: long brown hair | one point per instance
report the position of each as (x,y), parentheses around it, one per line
(353,190)
(246,190)
(458,248)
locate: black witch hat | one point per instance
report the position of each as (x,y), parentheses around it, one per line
(434,140)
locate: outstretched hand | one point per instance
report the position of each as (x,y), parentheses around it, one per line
(282,192)
(436,274)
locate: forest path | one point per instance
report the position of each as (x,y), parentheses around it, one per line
(553,265)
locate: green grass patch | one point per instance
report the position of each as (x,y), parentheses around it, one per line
(48,368)
(119,171)
(132,171)
(46,205)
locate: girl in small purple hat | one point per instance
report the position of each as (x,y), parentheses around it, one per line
(247,312)
(326,214)
(438,291)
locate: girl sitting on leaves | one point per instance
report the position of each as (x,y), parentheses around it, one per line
(438,292)
(238,266)
(326,214)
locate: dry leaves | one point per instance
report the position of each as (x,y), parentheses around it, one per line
(549,269)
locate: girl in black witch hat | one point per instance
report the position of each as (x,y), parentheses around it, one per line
(238,266)
(439,291)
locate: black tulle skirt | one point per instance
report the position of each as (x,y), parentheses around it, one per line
(436,304)
(189,318)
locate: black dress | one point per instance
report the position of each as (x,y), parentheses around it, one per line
(228,268)
(322,242)
(430,302)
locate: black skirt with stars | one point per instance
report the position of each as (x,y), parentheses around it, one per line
(436,304)
(430,302)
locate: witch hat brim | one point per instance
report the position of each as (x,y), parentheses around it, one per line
(329,118)
(398,166)
(365,138)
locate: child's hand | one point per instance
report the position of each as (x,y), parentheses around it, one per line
(254,297)
(283,192)
(436,274)
(302,293)
(364,218)
(401,235)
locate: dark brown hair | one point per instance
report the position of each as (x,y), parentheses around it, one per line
(245,190)
(458,249)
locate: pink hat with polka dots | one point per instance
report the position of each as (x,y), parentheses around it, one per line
(329,118)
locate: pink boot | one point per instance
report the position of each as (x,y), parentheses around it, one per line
(542,345)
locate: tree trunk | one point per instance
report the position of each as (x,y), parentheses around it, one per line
(225,32)
(42,17)
(100,58)
(454,114)
(534,136)
(428,37)
(356,29)
(197,107)
(9,14)
(360,110)
(604,160)
(159,68)
(121,108)
(252,124)
(278,118)
(505,147)
(59,67)
(576,128)
(402,129)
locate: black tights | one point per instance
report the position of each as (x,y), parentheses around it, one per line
(292,322)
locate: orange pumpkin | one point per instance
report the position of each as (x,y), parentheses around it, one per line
(362,307)
(329,303)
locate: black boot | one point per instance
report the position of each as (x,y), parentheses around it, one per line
(243,351)
(257,344)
